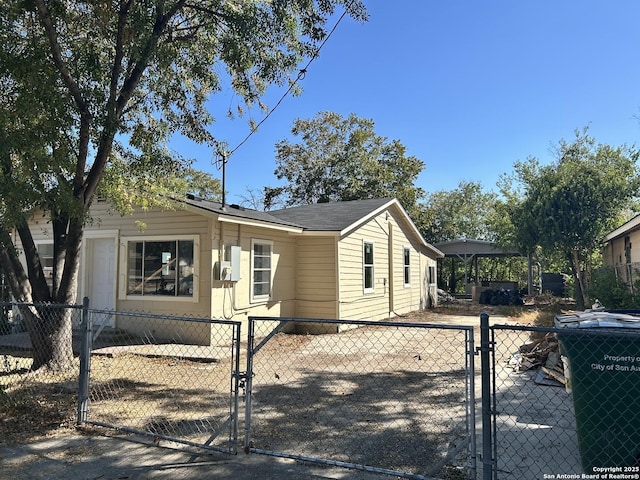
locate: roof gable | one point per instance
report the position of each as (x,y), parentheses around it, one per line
(344,217)
(332,216)
(338,217)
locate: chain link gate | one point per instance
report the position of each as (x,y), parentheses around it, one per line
(534,430)
(149,379)
(385,397)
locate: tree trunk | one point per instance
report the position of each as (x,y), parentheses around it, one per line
(50,330)
(577,274)
(49,326)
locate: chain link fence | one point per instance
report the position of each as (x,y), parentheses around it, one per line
(396,398)
(146,378)
(533,416)
(33,402)
(566,402)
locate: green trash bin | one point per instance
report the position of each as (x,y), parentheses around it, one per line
(603,353)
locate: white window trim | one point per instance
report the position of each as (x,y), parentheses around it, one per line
(124,255)
(433,280)
(260,298)
(406,267)
(48,274)
(373,268)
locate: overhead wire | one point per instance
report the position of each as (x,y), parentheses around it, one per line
(301,74)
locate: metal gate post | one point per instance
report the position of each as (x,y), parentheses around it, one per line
(249,384)
(485,351)
(85,364)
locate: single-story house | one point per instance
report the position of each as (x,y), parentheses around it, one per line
(361,259)
(618,252)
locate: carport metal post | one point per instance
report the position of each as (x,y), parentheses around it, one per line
(485,351)
(85,363)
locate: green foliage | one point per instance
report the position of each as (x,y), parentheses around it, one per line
(569,205)
(461,213)
(611,291)
(340,159)
(93,91)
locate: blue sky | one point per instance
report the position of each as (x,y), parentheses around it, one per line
(469,87)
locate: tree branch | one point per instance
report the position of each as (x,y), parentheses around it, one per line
(73,87)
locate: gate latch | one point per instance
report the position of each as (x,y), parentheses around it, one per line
(242,382)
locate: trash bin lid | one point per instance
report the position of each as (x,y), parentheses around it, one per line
(597,319)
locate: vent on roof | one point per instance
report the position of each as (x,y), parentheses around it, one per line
(191,196)
(237,207)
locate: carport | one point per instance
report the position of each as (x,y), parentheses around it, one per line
(469,251)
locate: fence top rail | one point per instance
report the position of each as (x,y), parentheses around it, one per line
(165,317)
(364,323)
(566,331)
(41,305)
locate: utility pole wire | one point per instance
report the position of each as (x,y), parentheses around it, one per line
(301,75)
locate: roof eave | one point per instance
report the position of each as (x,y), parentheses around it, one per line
(632,224)
(394,203)
(258,223)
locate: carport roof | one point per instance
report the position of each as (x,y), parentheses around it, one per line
(468,248)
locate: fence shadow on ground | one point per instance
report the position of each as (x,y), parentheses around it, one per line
(376,403)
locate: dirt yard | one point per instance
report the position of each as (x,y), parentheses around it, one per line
(364,394)
(34,406)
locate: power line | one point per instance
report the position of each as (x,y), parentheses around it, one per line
(301,74)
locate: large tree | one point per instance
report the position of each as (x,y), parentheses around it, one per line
(92,90)
(569,205)
(340,159)
(460,213)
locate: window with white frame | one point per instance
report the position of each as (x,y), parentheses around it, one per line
(45,252)
(406,260)
(161,267)
(368,266)
(432,275)
(261,263)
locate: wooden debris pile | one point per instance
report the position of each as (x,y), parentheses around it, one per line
(542,354)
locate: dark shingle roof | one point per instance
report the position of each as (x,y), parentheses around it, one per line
(319,217)
(237,211)
(332,216)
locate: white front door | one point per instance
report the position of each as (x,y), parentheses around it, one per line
(100,271)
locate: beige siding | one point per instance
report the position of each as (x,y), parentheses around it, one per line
(428,290)
(313,276)
(156,224)
(159,224)
(355,303)
(391,296)
(233,299)
(163,224)
(614,253)
(317,291)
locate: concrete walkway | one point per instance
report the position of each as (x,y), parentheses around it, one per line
(78,457)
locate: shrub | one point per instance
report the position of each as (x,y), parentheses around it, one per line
(611,291)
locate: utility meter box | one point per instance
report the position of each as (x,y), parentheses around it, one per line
(233,254)
(229,268)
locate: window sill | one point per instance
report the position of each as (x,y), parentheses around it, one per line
(158,298)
